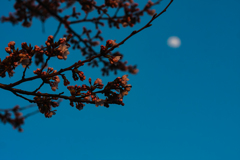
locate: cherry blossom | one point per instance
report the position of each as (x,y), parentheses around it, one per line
(63,48)
(54,85)
(85,42)
(114,60)
(99,102)
(8,49)
(111,43)
(124,80)
(24,61)
(123,93)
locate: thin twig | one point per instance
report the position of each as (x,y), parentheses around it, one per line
(20,109)
(62,21)
(116,12)
(26,107)
(31,101)
(30,114)
(24,72)
(45,64)
(38,87)
(135,32)
(59,26)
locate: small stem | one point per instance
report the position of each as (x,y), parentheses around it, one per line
(31,101)
(45,64)
(59,26)
(30,114)
(38,87)
(24,72)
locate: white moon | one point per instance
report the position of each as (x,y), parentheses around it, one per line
(174,42)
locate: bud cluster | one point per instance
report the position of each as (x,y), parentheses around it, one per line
(15,122)
(45,104)
(81,94)
(131,15)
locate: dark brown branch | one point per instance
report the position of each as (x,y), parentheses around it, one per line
(62,21)
(31,101)
(88,60)
(74,99)
(8,87)
(146,26)
(53,74)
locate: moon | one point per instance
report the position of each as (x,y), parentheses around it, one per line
(174,42)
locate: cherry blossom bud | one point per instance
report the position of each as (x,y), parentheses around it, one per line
(124,77)
(98,80)
(87,98)
(116,59)
(99,102)
(124,24)
(111,43)
(90,80)
(20,129)
(127,4)
(36,48)
(128,87)
(18,114)
(62,40)
(15,64)
(103,47)
(47,43)
(50,38)
(11,44)
(8,49)
(151,12)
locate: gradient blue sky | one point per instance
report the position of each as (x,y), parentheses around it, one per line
(184,104)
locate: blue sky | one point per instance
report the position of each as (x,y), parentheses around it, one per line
(184,103)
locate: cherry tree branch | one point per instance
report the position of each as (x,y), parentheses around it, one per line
(144,27)
(88,60)
(113,91)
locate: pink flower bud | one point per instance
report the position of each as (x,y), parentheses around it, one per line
(50,37)
(90,80)
(11,44)
(8,49)
(103,47)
